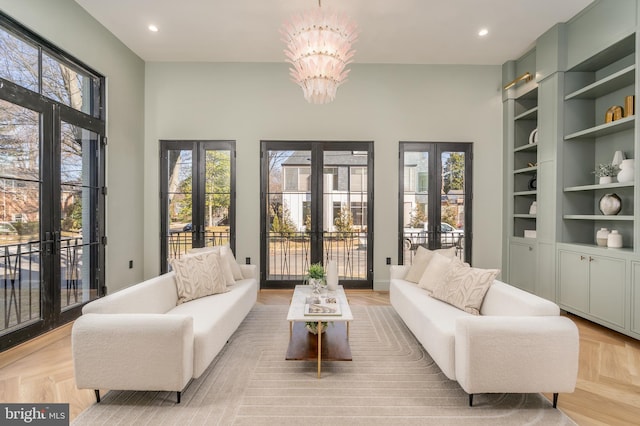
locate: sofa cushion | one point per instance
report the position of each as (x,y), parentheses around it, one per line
(465,287)
(422,259)
(431,321)
(198,275)
(215,318)
(506,300)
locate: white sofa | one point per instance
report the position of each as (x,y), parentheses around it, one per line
(140,339)
(518,344)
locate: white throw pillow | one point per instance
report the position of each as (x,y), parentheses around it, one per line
(199,250)
(227,254)
(421,260)
(198,275)
(465,287)
(435,271)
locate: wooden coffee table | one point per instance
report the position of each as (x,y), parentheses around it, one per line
(333,344)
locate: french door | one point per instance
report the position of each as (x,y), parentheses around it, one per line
(317,205)
(51,213)
(435,208)
(197,196)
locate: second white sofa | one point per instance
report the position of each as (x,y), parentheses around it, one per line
(518,344)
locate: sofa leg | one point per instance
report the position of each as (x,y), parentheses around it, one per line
(97,391)
(470,400)
(555,400)
(179,394)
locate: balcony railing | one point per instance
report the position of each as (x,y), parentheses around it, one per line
(289,254)
(180,242)
(411,240)
(20,275)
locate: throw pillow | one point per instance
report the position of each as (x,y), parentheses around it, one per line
(225,262)
(197,276)
(465,287)
(227,254)
(435,271)
(421,260)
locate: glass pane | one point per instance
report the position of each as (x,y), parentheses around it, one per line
(180,167)
(217,197)
(66,85)
(344,223)
(415,199)
(289,207)
(19,61)
(20,188)
(78,221)
(452,202)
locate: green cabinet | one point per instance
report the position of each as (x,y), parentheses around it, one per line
(523,265)
(593,285)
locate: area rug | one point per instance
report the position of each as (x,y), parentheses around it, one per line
(391,381)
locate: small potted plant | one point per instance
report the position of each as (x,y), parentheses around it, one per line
(316,276)
(606,172)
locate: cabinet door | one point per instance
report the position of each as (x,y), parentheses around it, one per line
(607,285)
(522,266)
(635,298)
(574,280)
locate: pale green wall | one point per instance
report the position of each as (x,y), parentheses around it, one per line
(383,103)
(65,24)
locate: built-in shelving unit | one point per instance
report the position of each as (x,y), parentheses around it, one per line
(525,161)
(591,88)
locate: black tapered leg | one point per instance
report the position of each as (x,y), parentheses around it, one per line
(97,391)
(470,400)
(179,394)
(555,400)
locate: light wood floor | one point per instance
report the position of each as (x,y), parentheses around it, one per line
(608,390)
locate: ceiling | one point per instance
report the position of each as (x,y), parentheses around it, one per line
(391,31)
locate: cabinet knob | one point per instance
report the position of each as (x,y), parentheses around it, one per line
(591,259)
(582,257)
(530,248)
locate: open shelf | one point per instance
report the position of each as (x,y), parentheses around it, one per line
(611,83)
(604,129)
(598,217)
(530,114)
(527,147)
(598,186)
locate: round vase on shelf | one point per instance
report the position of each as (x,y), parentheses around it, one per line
(605,179)
(601,237)
(614,240)
(626,173)
(610,204)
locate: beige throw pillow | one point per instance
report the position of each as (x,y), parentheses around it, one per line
(422,258)
(435,272)
(197,276)
(227,254)
(226,260)
(465,287)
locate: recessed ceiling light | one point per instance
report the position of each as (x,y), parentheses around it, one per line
(153,28)
(483,32)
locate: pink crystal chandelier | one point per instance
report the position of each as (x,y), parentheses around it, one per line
(319,48)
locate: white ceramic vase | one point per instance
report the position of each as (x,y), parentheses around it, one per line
(332,275)
(605,179)
(601,237)
(627,171)
(614,240)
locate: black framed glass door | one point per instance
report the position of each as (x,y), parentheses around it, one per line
(317,204)
(435,207)
(197,196)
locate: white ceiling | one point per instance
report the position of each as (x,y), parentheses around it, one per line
(391,31)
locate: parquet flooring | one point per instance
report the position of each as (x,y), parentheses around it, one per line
(607,393)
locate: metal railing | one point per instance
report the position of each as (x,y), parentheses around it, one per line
(411,240)
(180,242)
(289,254)
(21,280)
